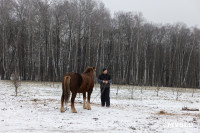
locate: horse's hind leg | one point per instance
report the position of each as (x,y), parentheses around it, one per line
(62,104)
(73,110)
(84,98)
(88,101)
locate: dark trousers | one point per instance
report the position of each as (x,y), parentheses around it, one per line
(105,96)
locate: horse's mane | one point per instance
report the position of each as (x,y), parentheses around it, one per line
(88,70)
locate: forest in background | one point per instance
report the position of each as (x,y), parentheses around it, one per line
(42,40)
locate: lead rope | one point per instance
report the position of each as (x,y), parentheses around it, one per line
(99,93)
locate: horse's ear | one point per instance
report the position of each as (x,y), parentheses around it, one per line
(94,68)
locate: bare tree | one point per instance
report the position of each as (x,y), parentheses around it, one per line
(49,38)
(15,82)
(179,92)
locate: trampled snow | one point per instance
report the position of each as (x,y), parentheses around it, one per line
(138,109)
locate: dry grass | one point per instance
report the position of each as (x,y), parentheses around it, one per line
(44,100)
(189,109)
(165,113)
(173,114)
(194,115)
(35,100)
(162,112)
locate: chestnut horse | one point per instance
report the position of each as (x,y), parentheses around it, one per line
(77,83)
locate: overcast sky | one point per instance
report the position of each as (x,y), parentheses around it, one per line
(160,11)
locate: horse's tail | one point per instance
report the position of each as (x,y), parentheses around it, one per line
(66,88)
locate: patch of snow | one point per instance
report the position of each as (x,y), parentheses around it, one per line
(36,109)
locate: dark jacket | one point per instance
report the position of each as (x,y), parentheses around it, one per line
(105,77)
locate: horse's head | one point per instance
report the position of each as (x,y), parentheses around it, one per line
(89,70)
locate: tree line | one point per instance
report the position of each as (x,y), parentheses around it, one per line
(42,40)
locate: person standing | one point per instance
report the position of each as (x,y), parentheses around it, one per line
(105,80)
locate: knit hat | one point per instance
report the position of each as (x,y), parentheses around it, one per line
(104,69)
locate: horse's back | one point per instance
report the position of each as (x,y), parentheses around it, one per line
(75,81)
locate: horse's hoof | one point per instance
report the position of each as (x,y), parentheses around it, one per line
(89,108)
(73,111)
(84,107)
(62,109)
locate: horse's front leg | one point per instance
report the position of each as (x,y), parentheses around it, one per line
(84,98)
(73,110)
(88,101)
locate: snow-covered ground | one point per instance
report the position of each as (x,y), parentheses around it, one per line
(36,109)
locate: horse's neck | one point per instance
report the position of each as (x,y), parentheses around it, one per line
(89,74)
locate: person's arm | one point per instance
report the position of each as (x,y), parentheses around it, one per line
(99,80)
(110,80)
